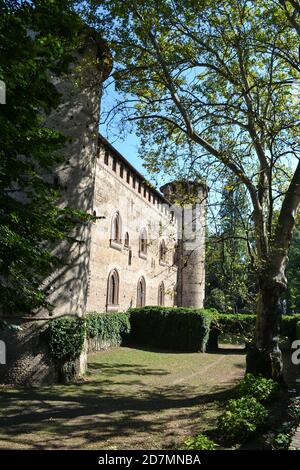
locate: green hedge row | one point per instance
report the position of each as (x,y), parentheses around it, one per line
(66,335)
(109,329)
(180,329)
(289,326)
(170,328)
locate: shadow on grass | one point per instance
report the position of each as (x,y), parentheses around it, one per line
(102,408)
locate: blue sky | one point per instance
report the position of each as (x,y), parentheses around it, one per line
(127,146)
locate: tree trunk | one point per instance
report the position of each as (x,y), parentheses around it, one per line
(264,356)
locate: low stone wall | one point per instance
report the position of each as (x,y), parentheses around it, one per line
(28,360)
(27,356)
(97,344)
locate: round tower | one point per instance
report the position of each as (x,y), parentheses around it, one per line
(189,200)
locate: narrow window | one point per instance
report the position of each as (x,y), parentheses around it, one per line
(143,242)
(116,228)
(106,157)
(162,252)
(141,293)
(114,165)
(121,171)
(161,294)
(128,177)
(194,217)
(126,240)
(113,289)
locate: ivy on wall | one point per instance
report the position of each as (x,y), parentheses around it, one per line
(66,338)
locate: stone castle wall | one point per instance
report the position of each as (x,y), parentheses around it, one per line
(140,207)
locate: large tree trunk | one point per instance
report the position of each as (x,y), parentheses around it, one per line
(264,356)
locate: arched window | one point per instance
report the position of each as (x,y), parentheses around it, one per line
(126,240)
(161,294)
(143,242)
(141,293)
(113,289)
(116,228)
(162,252)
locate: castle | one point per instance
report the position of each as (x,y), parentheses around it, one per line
(143,247)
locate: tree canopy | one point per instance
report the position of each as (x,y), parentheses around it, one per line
(36,38)
(213,83)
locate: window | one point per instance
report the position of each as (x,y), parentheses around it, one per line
(162,252)
(143,242)
(113,290)
(161,294)
(116,228)
(121,171)
(194,217)
(149,196)
(128,177)
(106,156)
(114,165)
(126,240)
(133,182)
(141,293)
(140,187)
(145,192)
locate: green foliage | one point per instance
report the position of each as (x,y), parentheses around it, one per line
(66,338)
(181,329)
(258,387)
(199,442)
(281,438)
(230,285)
(37,40)
(238,324)
(293,273)
(111,328)
(298,330)
(289,325)
(241,418)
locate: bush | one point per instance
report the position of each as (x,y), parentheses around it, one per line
(109,328)
(199,442)
(258,387)
(289,326)
(242,417)
(181,329)
(298,330)
(241,325)
(66,338)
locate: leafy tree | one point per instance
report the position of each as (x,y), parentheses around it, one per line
(229,280)
(36,39)
(293,274)
(219,76)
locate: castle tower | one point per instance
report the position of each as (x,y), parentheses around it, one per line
(77,118)
(189,200)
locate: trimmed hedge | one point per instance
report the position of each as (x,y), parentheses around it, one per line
(289,326)
(66,338)
(171,328)
(109,329)
(243,325)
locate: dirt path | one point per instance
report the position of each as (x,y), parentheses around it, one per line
(130,399)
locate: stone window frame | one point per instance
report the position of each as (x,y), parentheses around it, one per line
(163,253)
(116,231)
(143,244)
(141,292)
(113,291)
(161,294)
(126,241)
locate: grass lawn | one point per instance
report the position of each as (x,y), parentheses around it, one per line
(129,399)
